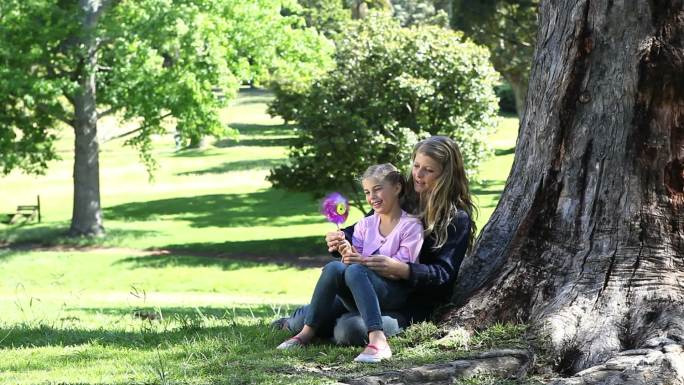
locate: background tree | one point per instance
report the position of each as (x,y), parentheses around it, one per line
(153,62)
(508,28)
(412,12)
(390,87)
(360,8)
(586,243)
(326,16)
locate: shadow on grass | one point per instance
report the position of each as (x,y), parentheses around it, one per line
(300,253)
(196,153)
(488,187)
(267,207)
(506,151)
(200,313)
(240,165)
(262,97)
(261,135)
(249,95)
(29,237)
(173,328)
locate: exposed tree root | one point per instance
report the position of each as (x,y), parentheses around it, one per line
(656,366)
(503,363)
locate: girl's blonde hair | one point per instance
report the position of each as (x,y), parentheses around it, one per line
(388,172)
(439,207)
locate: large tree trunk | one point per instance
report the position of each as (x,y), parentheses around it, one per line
(587,241)
(87,213)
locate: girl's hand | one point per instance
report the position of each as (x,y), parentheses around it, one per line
(349,253)
(387,267)
(334,239)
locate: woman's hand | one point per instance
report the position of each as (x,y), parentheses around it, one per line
(387,267)
(334,239)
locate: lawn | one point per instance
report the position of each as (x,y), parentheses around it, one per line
(195,264)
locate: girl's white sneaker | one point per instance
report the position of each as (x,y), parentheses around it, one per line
(379,355)
(293,343)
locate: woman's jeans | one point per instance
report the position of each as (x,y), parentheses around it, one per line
(352,297)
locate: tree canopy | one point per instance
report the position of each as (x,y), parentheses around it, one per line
(158,63)
(508,28)
(390,87)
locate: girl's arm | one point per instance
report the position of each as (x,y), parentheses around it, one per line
(334,238)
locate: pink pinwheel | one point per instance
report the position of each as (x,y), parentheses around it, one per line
(335,207)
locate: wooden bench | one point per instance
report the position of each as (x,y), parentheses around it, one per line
(24,213)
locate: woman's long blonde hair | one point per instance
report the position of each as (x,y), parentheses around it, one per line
(439,207)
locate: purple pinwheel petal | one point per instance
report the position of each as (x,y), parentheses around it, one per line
(329,207)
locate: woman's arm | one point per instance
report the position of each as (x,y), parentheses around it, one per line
(443,267)
(387,267)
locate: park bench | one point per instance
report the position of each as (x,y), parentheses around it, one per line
(24,213)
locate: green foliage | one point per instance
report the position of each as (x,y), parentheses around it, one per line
(506,97)
(507,27)
(29,91)
(418,333)
(391,86)
(326,16)
(499,334)
(159,63)
(292,82)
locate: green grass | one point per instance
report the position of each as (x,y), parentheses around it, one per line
(193,267)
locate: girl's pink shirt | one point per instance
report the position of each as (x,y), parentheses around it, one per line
(402,243)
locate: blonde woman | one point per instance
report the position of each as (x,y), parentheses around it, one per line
(439,187)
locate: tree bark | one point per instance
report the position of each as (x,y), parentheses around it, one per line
(87,212)
(641,366)
(587,242)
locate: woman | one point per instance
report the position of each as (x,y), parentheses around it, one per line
(444,204)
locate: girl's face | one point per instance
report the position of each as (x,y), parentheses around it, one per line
(382,196)
(426,171)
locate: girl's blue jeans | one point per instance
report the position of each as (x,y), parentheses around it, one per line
(345,292)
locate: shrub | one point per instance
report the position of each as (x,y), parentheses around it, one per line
(390,87)
(506,97)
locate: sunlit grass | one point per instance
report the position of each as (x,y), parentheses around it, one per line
(196,263)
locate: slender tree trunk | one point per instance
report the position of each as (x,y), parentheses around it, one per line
(587,241)
(360,8)
(87,212)
(519,83)
(446,6)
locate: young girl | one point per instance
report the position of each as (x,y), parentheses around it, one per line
(391,232)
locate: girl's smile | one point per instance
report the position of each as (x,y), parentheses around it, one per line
(383,197)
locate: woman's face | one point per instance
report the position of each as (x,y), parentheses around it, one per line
(426,172)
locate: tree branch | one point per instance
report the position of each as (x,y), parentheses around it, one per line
(141,128)
(107,112)
(60,116)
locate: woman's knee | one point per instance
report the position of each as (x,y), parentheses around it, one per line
(350,330)
(295,323)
